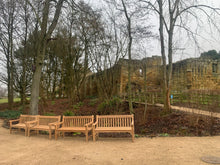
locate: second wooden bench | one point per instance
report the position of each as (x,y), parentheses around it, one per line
(75,124)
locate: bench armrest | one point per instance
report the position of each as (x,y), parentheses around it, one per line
(28,123)
(90,123)
(11,121)
(56,124)
(94,125)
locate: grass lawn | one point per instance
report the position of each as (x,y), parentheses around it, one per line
(5,100)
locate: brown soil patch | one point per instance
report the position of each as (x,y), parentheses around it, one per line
(154,124)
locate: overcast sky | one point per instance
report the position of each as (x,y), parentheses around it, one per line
(209,39)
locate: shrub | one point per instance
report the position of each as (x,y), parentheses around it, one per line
(68,113)
(52,102)
(78,105)
(10,114)
(109,106)
(92,102)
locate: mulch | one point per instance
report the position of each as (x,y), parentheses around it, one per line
(154,123)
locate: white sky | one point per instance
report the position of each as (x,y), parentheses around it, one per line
(211,40)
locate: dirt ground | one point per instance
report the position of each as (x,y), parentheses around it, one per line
(16,149)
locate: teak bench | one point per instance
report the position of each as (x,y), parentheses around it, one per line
(43,123)
(22,122)
(75,124)
(113,123)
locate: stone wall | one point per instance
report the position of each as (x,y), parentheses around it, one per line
(114,81)
(153,79)
(198,73)
(194,73)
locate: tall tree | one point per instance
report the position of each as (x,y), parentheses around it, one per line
(128,17)
(46,31)
(7,34)
(134,30)
(175,15)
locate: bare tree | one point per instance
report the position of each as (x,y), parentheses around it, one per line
(128,17)
(46,31)
(175,15)
(7,33)
(130,14)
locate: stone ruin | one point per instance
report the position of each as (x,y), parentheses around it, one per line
(193,73)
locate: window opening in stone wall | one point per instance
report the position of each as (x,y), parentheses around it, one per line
(214,68)
(141,72)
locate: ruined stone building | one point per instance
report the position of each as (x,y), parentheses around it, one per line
(193,73)
(114,81)
(196,73)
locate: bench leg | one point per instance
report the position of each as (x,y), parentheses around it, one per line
(29,132)
(87,138)
(132,137)
(63,134)
(93,134)
(50,134)
(56,132)
(19,129)
(25,133)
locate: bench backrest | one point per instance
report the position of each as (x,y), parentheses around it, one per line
(45,120)
(114,120)
(77,121)
(25,118)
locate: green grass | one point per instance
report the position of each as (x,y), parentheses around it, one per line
(5,100)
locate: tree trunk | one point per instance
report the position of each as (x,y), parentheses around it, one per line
(145,88)
(129,58)
(166,90)
(44,36)
(36,80)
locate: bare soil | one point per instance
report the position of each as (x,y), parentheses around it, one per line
(38,149)
(155,123)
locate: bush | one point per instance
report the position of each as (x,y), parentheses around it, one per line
(78,105)
(92,102)
(68,113)
(53,102)
(10,114)
(109,106)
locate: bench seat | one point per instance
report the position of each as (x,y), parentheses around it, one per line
(73,129)
(113,129)
(19,125)
(43,127)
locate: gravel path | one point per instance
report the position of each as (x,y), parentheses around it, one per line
(17,149)
(192,110)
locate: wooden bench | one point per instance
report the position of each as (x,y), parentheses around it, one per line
(22,122)
(113,123)
(43,123)
(75,124)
